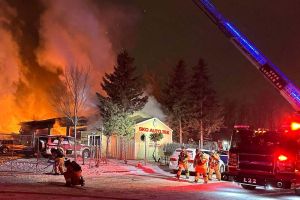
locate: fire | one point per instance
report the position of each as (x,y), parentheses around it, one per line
(58,129)
(29,68)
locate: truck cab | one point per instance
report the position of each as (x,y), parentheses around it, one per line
(65,143)
(270,159)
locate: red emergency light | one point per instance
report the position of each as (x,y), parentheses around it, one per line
(282,158)
(295,126)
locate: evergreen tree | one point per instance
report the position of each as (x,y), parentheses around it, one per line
(124,96)
(205,115)
(109,113)
(174,100)
(123,87)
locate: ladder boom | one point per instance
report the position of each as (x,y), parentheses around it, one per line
(277,78)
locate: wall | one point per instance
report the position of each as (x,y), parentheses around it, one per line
(135,146)
(147,128)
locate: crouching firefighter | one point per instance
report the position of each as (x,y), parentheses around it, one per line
(73,174)
(183,159)
(200,165)
(214,165)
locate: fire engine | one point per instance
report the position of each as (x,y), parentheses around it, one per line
(265,158)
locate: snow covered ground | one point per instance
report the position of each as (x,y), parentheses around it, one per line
(28,179)
(21,170)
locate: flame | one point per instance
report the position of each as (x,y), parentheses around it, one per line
(70,32)
(57,129)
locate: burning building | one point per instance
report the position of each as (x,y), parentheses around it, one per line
(53,126)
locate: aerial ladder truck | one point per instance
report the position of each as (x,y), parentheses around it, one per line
(286,88)
(271,159)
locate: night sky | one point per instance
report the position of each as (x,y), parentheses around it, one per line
(159,33)
(173,29)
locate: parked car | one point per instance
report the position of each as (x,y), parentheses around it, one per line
(66,143)
(173,164)
(7,146)
(224,157)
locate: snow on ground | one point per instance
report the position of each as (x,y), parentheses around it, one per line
(21,170)
(31,171)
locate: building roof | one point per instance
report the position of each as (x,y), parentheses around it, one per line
(138,119)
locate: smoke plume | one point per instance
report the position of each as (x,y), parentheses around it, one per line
(73,32)
(153,108)
(38,41)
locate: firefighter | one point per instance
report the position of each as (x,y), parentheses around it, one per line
(183,159)
(73,174)
(200,165)
(214,165)
(59,161)
(58,157)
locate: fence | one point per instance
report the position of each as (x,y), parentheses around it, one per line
(17,155)
(26,153)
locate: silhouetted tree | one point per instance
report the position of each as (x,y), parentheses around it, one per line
(123,86)
(174,98)
(70,99)
(125,95)
(205,115)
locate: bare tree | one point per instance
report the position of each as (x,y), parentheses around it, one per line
(69,99)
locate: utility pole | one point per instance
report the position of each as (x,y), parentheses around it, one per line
(180,131)
(145,158)
(201,126)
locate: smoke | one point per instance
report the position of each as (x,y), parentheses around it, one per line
(38,41)
(74,32)
(153,108)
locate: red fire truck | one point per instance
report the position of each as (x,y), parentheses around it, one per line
(266,158)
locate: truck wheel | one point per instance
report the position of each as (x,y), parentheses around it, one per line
(297,191)
(86,153)
(248,187)
(5,150)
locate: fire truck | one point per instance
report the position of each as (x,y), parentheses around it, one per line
(267,158)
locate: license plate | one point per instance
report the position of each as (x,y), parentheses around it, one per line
(249,180)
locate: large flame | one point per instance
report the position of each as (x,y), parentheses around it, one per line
(57,129)
(70,32)
(9,62)
(82,38)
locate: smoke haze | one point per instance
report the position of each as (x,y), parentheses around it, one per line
(38,40)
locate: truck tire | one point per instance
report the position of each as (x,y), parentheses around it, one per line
(297,191)
(5,150)
(248,187)
(86,153)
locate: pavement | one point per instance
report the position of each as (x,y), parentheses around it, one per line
(117,180)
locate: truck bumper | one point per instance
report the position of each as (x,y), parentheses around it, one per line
(282,182)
